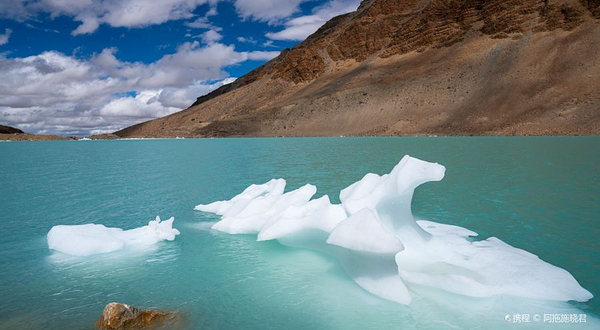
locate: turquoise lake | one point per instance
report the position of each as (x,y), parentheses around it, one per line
(540,194)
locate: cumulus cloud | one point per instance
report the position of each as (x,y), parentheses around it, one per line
(301,27)
(116,13)
(4,37)
(211,36)
(88,24)
(202,23)
(60,94)
(267,10)
(183,97)
(144,104)
(14,9)
(248,40)
(141,13)
(65,94)
(212,12)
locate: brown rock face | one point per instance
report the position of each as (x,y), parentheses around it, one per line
(117,316)
(417,67)
(392,27)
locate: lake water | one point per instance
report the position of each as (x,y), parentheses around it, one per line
(541,194)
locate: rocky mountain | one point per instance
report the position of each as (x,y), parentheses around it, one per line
(417,67)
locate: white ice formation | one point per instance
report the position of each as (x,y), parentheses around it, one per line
(381,246)
(89,239)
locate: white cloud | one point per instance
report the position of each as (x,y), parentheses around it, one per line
(248,40)
(116,13)
(212,12)
(301,27)
(101,131)
(4,37)
(297,29)
(88,24)
(14,9)
(267,10)
(260,55)
(184,97)
(59,94)
(141,13)
(202,23)
(144,104)
(136,13)
(211,36)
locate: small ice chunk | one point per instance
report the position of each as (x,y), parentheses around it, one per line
(363,232)
(89,239)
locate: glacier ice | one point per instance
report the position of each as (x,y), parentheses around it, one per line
(89,239)
(363,232)
(248,215)
(233,206)
(316,218)
(383,248)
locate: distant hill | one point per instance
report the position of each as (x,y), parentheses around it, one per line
(417,67)
(9,130)
(15,134)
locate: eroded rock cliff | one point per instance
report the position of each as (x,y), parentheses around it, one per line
(404,67)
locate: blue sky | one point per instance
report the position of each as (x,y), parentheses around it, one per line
(80,67)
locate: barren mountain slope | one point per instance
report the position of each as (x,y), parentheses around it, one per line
(405,67)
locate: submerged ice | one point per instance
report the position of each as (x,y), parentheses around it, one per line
(381,246)
(89,239)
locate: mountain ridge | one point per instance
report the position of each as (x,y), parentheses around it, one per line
(381,69)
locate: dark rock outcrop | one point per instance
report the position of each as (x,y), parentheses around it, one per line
(9,130)
(117,316)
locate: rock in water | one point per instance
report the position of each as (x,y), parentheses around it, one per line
(118,316)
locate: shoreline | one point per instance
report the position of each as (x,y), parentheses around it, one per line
(293,137)
(34,137)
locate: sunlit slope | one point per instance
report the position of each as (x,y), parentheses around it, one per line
(407,67)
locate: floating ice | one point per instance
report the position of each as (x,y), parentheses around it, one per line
(362,232)
(274,187)
(85,240)
(383,248)
(247,216)
(313,219)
